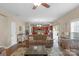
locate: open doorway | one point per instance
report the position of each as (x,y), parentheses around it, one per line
(13,33)
(55,36)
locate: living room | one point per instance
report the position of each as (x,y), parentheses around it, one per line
(39,31)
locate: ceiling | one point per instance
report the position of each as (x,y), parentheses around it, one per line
(25,12)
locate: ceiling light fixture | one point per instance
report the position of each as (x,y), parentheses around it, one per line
(37,2)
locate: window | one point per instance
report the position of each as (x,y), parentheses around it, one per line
(75,30)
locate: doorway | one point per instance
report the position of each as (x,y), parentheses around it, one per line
(13,33)
(55,36)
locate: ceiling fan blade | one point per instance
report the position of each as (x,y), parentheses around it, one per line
(34,7)
(45,5)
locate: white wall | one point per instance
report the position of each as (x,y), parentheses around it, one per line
(4,31)
(5,28)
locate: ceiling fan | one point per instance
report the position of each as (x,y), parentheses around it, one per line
(43,4)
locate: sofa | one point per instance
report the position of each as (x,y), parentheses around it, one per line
(39,40)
